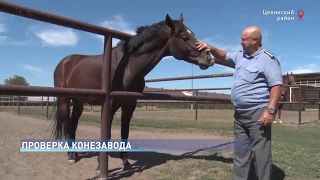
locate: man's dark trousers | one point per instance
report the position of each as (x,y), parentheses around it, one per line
(252,140)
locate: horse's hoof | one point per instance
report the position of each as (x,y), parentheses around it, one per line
(97,172)
(126,166)
(71,161)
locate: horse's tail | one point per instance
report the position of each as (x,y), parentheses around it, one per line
(58,120)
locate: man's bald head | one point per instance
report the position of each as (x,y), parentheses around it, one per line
(253,31)
(251,39)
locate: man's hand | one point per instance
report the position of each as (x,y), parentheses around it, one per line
(266,118)
(218,54)
(201,45)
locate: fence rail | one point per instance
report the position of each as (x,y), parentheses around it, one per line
(191,77)
(314,100)
(315,83)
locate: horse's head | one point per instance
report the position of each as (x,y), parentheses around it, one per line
(290,79)
(182,44)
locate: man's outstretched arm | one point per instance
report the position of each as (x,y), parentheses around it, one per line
(224,57)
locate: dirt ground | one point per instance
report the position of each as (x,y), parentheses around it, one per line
(15,165)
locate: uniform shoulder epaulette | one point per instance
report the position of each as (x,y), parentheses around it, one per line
(269,53)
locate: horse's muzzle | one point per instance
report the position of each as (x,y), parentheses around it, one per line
(211,61)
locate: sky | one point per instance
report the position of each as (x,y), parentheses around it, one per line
(32,49)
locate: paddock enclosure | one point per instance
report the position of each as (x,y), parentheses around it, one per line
(105,94)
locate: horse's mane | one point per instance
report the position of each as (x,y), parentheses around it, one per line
(146,34)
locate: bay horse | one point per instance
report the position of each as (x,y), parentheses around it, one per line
(289,79)
(132,60)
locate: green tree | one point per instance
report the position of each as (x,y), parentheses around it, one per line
(16,80)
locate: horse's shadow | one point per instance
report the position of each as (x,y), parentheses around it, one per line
(148,160)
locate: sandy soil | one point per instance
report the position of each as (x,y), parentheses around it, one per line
(15,165)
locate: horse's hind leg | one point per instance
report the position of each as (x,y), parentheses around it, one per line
(76,114)
(127,111)
(62,120)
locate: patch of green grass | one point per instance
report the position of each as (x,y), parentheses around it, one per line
(296,155)
(296,150)
(194,168)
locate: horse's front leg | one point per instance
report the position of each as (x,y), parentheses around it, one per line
(279,116)
(127,111)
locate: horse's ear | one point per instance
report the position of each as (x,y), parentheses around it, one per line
(291,73)
(170,24)
(287,74)
(181,18)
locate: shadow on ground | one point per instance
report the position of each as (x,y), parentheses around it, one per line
(148,160)
(277,173)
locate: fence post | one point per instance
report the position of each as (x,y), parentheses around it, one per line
(290,92)
(300,105)
(105,112)
(18,104)
(47,107)
(196,107)
(319,107)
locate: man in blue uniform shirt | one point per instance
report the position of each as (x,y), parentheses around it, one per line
(255,93)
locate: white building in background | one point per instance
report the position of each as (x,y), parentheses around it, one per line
(39,98)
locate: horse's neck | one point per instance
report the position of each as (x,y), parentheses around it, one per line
(146,58)
(285,90)
(132,68)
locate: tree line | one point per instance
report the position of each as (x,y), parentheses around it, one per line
(14,80)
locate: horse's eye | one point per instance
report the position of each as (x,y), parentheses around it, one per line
(185,38)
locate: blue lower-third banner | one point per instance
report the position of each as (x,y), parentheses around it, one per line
(132,145)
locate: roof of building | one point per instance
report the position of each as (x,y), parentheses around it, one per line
(315,76)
